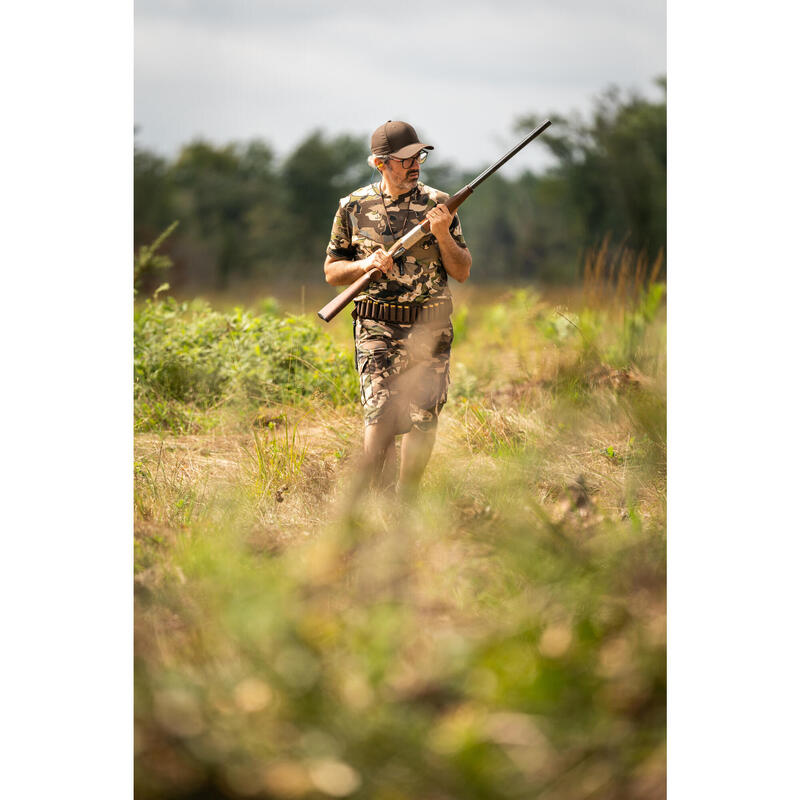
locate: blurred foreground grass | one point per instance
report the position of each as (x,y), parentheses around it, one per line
(502,638)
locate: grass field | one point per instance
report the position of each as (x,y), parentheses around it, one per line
(504,637)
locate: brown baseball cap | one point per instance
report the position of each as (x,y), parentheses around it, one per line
(398,139)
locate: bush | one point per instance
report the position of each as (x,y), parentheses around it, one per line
(189,358)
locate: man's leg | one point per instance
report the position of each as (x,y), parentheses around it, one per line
(414,455)
(426,389)
(388,479)
(379,453)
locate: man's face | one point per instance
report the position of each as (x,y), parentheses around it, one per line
(404,178)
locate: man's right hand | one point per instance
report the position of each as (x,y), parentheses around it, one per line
(380,259)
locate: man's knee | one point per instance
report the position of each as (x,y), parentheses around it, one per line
(425,426)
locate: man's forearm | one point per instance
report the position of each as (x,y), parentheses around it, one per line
(456,259)
(340,272)
(343,273)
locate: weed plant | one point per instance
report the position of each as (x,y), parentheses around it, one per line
(189,361)
(502,637)
(277,458)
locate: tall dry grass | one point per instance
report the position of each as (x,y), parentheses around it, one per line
(618,276)
(501,637)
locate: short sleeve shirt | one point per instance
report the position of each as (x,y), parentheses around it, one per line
(368,219)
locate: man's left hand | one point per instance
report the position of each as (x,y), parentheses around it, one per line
(440,218)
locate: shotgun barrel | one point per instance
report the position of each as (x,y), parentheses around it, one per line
(343,299)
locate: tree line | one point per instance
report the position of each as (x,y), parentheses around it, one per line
(245,214)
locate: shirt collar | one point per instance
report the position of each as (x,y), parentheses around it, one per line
(401,198)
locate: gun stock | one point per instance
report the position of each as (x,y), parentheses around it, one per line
(329,311)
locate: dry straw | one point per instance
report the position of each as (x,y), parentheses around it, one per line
(615,278)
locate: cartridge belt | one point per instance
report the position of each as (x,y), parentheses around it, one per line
(404,312)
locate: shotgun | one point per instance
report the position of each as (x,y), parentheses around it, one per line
(423,229)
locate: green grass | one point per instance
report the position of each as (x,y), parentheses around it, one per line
(190,361)
(504,637)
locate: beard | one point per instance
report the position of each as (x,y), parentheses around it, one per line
(402,180)
(411,179)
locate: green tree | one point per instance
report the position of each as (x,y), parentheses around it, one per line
(521,229)
(153,195)
(211,199)
(615,166)
(232,199)
(316,175)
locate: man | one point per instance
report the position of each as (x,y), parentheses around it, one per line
(403,365)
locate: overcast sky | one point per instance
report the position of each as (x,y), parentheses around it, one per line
(460,72)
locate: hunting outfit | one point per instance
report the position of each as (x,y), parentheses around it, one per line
(402,328)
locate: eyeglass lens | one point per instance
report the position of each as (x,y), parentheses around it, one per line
(422,155)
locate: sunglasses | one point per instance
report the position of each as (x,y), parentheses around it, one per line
(407,162)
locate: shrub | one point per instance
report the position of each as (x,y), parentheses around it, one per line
(186,354)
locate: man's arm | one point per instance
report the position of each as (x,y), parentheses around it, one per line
(341,272)
(456,259)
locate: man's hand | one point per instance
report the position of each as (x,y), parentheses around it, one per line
(440,218)
(380,259)
(341,272)
(456,260)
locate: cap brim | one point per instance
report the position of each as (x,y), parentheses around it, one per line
(411,150)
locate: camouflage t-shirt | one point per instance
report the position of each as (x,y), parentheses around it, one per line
(360,227)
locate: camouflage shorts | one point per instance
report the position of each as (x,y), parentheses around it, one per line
(404,371)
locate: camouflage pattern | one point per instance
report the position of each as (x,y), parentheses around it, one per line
(404,371)
(360,228)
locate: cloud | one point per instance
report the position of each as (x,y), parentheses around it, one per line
(462,73)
